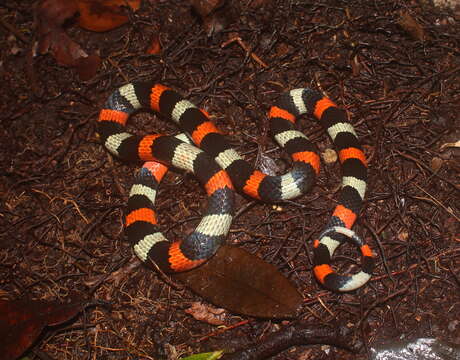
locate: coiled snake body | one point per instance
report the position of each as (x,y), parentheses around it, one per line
(220,169)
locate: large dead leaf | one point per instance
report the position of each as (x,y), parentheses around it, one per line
(22,321)
(244,284)
(103,15)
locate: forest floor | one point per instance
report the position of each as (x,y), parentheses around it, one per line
(393,65)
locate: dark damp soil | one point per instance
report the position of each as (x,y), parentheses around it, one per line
(63,196)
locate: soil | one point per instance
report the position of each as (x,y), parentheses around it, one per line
(63,195)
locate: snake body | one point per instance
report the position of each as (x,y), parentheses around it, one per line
(219,167)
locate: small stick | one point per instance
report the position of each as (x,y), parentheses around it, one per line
(245,48)
(437,202)
(414,266)
(222,330)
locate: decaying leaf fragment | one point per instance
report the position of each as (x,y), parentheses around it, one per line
(155,46)
(409,24)
(50,16)
(206,313)
(215,14)
(206,7)
(104,15)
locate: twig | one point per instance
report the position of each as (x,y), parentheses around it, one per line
(245,48)
(222,330)
(437,202)
(381,301)
(295,334)
(409,157)
(414,266)
(325,307)
(375,234)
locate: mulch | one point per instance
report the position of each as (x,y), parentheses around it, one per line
(62,196)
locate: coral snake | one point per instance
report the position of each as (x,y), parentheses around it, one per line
(220,169)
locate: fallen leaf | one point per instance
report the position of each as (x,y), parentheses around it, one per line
(104,15)
(22,321)
(50,15)
(409,24)
(243,283)
(206,313)
(206,7)
(87,66)
(403,235)
(215,14)
(53,13)
(155,47)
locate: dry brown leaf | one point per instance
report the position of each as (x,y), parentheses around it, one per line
(155,46)
(216,14)
(243,283)
(206,7)
(50,15)
(87,66)
(206,313)
(53,13)
(104,15)
(409,24)
(22,321)
(65,50)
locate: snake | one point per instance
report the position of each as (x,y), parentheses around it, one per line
(222,171)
